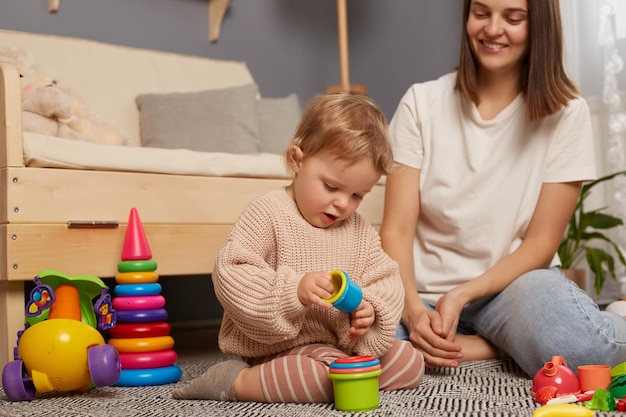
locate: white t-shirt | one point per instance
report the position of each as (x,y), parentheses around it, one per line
(480,179)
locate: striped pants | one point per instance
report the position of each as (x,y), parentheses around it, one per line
(300,375)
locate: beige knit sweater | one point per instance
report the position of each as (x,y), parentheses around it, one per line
(269,250)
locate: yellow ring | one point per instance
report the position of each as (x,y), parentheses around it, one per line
(339,282)
(142,344)
(136,277)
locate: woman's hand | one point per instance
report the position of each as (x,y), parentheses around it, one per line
(426,333)
(449,307)
(314,287)
(361,320)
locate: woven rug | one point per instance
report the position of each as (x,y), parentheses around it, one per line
(480,389)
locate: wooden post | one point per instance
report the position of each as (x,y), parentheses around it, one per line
(344,60)
(53,5)
(217,10)
(342,28)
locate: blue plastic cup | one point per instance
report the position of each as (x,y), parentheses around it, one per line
(347,295)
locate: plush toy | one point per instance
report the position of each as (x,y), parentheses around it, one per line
(50,108)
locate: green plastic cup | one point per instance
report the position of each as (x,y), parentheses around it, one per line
(356,392)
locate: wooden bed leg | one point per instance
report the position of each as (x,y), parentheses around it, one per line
(11,318)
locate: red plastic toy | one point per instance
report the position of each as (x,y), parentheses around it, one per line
(555,374)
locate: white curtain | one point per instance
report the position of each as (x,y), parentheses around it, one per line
(595,42)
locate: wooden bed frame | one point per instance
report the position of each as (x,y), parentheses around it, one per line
(186,218)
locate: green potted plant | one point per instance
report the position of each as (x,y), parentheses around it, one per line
(586,226)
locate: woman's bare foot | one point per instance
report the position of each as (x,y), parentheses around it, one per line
(476,348)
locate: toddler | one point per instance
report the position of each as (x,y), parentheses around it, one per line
(272,276)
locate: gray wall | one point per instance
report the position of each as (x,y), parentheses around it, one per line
(289,45)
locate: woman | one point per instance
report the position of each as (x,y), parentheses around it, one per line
(490,162)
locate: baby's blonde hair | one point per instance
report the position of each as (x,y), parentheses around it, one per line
(348,127)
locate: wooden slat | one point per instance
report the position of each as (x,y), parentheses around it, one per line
(10,116)
(45,195)
(183,249)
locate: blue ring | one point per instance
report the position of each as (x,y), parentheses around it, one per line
(354,365)
(141,316)
(131,290)
(150,376)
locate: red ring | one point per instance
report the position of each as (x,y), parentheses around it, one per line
(146,360)
(133,330)
(356,359)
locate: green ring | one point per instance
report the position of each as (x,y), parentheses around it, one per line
(137,266)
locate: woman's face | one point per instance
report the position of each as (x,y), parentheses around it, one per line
(498,34)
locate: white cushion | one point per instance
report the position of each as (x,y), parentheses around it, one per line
(53,152)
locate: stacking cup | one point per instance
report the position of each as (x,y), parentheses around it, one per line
(346,295)
(355,383)
(593,377)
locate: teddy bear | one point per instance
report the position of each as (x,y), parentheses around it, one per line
(52,109)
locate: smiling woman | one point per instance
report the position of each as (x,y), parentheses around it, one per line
(491,162)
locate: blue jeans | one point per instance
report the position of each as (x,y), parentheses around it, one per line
(543,314)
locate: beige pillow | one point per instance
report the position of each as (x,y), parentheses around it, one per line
(222,120)
(278,119)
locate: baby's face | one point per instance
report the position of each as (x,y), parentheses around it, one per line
(329,190)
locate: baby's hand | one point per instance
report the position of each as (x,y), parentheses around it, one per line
(361,320)
(314,287)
